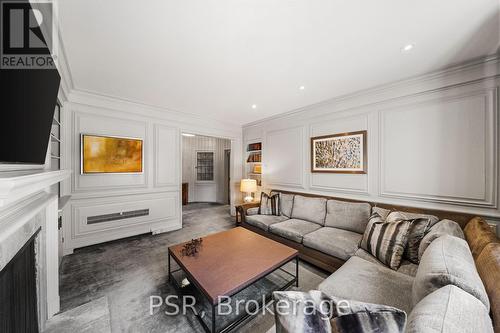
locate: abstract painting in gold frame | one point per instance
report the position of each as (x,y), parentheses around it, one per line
(108,154)
(339,153)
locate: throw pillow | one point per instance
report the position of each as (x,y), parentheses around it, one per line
(386,240)
(269,204)
(419,227)
(316,312)
(383,321)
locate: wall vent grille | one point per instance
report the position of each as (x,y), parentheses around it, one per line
(117,216)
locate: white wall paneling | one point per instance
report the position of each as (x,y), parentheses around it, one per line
(87,123)
(432,142)
(156,189)
(166,148)
(355,183)
(163,214)
(447,145)
(283,157)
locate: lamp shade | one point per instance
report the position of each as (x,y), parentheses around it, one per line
(248,185)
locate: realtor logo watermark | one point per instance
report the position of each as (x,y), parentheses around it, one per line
(23,44)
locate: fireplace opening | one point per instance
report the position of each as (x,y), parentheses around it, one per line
(18,294)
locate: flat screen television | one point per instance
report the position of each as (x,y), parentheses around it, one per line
(28,101)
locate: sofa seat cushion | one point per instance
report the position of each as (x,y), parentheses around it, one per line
(293,229)
(448,260)
(351,216)
(309,209)
(335,242)
(449,310)
(264,221)
(406,267)
(363,281)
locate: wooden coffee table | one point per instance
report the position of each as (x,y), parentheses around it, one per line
(227,263)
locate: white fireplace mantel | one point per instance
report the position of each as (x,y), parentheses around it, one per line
(15,185)
(26,206)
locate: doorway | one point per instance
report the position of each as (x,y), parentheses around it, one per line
(206,165)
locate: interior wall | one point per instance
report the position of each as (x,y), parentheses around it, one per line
(204,191)
(432,142)
(158,188)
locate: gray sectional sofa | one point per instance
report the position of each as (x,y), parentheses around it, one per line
(443,293)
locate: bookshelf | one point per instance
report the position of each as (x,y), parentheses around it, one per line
(254,161)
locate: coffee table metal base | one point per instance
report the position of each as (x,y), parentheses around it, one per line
(240,321)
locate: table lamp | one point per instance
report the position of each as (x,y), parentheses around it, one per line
(248,186)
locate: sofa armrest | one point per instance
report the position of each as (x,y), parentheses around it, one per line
(242,210)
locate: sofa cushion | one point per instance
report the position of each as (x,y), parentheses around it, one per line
(448,260)
(286,204)
(406,267)
(449,310)
(412,216)
(270,204)
(381,211)
(369,322)
(264,221)
(488,266)
(253,211)
(364,281)
(444,227)
(352,216)
(417,231)
(386,241)
(293,229)
(479,234)
(305,312)
(311,312)
(335,242)
(309,209)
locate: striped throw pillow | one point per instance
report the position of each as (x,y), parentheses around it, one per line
(269,204)
(386,241)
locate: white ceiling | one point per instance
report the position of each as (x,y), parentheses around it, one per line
(216,58)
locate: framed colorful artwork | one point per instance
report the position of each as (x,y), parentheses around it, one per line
(109,154)
(340,153)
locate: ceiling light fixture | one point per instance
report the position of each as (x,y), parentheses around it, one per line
(254,106)
(408,47)
(302,87)
(188,135)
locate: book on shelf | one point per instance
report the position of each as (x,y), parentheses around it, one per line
(254,146)
(254,157)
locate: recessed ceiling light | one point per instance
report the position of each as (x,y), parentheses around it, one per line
(302,87)
(188,134)
(408,47)
(254,106)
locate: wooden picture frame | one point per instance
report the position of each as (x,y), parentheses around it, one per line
(331,163)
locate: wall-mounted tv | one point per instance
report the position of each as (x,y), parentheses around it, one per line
(110,154)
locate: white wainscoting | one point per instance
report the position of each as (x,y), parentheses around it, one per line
(156,189)
(432,142)
(355,183)
(283,157)
(166,148)
(448,147)
(87,123)
(163,214)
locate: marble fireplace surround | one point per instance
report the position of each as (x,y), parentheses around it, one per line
(25,207)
